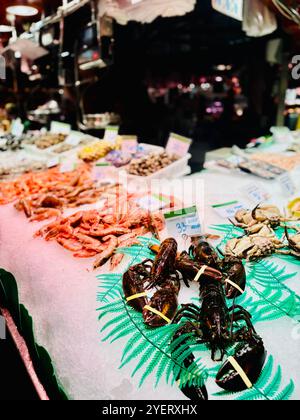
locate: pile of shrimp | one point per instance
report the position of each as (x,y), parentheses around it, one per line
(101,233)
(44,195)
(35,182)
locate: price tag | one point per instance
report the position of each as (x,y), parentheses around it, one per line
(104,171)
(74,138)
(17,128)
(67,166)
(60,128)
(53,162)
(228,210)
(129,145)
(183,222)
(287,184)
(111,133)
(256,193)
(178,145)
(153,202)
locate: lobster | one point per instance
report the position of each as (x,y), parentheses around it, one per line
(213,325)
(152,288)
(162,277)
(234,274)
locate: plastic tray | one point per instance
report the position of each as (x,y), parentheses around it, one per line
(175,170)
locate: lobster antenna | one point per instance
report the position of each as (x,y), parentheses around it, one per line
(232,317)
(253,214)
(220,251)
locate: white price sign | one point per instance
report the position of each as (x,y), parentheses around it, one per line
(178,145)
(232,8)
(67,166)
(153,202)
(129,145)
(53,162)
(287,184)
(111,134)
(183,222)
(256,193)
(60,128)
(74,138)
(228,210)
(17,128)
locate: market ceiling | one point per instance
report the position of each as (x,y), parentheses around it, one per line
(41,5)
(50,6)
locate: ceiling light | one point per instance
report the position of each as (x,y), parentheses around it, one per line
(22,10)
(6,28)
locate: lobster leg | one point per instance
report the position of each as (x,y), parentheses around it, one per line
(186,312)
(192,392)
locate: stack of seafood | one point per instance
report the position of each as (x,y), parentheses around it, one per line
(102,233)
(15,168)
(45,194)
(44,141)
(150,164)
(95,151)
(287,163)
(50,202)
(260,239)
(12,143)
(152,289)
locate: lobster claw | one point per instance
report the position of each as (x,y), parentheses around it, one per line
(195,394)
(236,281)
(251,358)
(164,305)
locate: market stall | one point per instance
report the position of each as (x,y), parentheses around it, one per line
(75,308)
(149,216)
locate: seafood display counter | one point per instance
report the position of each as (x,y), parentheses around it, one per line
(101,347)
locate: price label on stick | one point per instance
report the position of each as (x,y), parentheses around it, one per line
(256,193)
(153,202)
(74,138)
(67,166)
(228,210)
(178,145)
(104,171)
(129,145)
(183,222)
(17,128)
(287,184)
(53,162)
(60,128)
(111,134)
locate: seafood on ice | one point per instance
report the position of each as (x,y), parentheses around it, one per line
(45,181)
(102,233)
(43,196)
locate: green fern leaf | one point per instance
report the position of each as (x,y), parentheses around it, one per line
(147,346)
(251,395)
(286,393)
(273,387)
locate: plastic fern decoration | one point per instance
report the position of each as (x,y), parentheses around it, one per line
(277,303)
(229,231)
(150,349)
(155,353)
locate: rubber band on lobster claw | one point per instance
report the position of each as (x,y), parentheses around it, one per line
(244,368)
